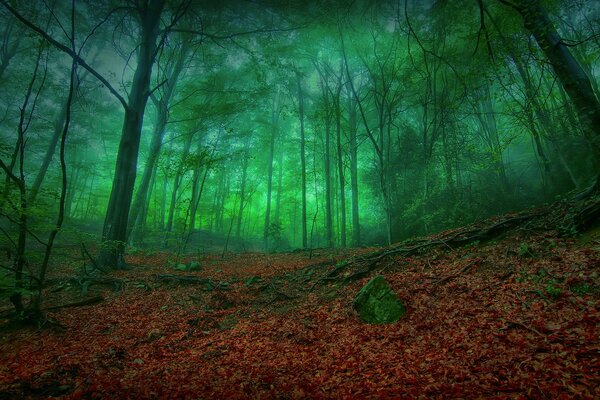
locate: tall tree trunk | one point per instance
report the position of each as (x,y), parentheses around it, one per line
(50,150)
(223,194)
(569,72)
(163,200)
(279,187)
(354,170)
(238,228)
(114,233)
(327,162)
(194,200)
(9,46)
(155,146)
(274,128)
(90,199)
(338,129)
(73,182)
(140,223)
(489,131)
(177,182)
(302,159)
(158,133)
(325,93)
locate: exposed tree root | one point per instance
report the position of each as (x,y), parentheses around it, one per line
(86,302)
(565,216)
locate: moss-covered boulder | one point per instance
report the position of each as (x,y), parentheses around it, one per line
(376,303)
(192,266)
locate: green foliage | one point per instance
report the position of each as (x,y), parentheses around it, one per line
(277,239)
(435,145)
(525,251)
(553,289)
(522,276)
(583,288)
(8,287)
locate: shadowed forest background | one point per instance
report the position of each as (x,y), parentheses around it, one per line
(269,127)
(205,127)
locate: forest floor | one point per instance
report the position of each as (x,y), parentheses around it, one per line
(513,317)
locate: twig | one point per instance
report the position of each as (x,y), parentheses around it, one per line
(515,323)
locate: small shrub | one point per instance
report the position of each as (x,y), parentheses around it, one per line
(553,290)
(525,250)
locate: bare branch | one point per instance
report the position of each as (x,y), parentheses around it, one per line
(157,87)
(236,34)
(67,50)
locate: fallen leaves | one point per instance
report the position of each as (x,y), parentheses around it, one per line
(479,333)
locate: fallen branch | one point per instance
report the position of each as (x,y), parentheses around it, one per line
(87,281)
(81,303)
(515,323)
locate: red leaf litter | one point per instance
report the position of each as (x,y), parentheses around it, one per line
(486,321)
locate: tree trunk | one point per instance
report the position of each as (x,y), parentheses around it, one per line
(302,159)
(327,162)
(279,187)
(162,118)
(238,228)
(194,200)
(327,158)
(10,45)
(50,150)
(274,123)
(354,171)
(177,181)
(340,165)
(569,72)
(114,233)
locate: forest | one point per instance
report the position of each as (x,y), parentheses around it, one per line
(291,199)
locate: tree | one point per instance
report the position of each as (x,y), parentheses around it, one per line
(276,108)
(114,232)
(33,312)
(172,72)
(302,156)
(568,70)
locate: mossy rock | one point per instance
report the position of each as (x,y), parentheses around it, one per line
(193,266)
(376,303)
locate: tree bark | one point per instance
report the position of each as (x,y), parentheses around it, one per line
(569,72)
(354,170)
(325,92)
(177,182)
(114,233)
(238,228)
(9,46)
(340,162)
(162,118)
(274,123)
(50,150)
(302,159)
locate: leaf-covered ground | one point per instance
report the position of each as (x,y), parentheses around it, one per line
(516,318)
